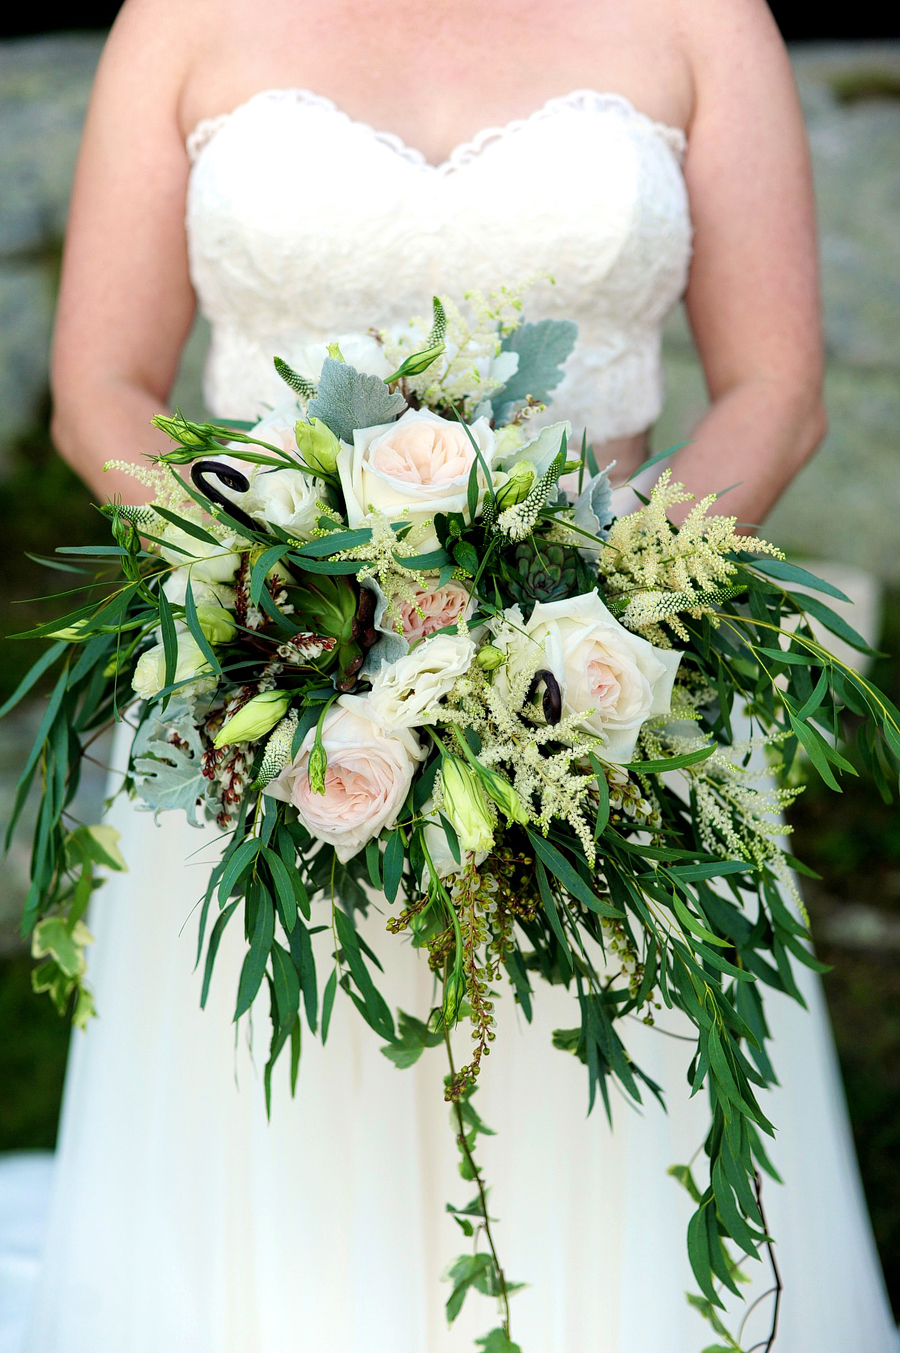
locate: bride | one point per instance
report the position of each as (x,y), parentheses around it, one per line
(183,1221)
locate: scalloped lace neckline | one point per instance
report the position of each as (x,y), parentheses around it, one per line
(581,100)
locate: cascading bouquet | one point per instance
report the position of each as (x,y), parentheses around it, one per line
(394,638)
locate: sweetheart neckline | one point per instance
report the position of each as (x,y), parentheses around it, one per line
(462,153)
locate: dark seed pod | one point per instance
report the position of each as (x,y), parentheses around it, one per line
(551,700)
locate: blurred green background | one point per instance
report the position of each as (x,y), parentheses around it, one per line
(843,509)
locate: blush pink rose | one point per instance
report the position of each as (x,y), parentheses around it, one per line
(432,611)
(419,465)
(367,779)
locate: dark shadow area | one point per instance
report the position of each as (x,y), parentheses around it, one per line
(798,22)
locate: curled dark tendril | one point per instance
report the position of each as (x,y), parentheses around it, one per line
(551,700)
(232,479)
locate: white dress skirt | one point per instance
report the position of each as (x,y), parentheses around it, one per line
(185,1222)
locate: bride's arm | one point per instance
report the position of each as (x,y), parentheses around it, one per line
(126,302)
(752,297)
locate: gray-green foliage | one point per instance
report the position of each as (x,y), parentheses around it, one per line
(347,399)
(542,349)
(170,774)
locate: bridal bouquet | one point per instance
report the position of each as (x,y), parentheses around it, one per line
(394,641)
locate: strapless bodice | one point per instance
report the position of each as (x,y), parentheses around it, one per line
(304,224)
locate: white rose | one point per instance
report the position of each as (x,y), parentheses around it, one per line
(361,351)
(150,674)
(421,462)
(406,691)
(367,779)
(599,664)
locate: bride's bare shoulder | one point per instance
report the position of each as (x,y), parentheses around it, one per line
(148,57)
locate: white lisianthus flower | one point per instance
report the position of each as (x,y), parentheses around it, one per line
(599,664)
(150,673)
(205,563)
(281,497)
(204,593)
(421,462)
(361,351)
(367,777)
(442,856)
(404,693)
(284,498)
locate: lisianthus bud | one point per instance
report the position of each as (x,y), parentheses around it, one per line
(504,795)
(181,429)
(454,991)
(318,765)
(490,658)
(334,352)
(518,486)
(317,445)
(71,633)
(465,806)
(217,624)
(253,720)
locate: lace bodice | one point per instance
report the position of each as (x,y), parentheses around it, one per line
(304,224)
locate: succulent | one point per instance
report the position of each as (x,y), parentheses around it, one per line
(544,572)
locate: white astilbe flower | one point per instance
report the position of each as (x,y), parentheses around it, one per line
(739,810)
(384,555)
(472,367)
(555,786)
(169,492)
(662,571)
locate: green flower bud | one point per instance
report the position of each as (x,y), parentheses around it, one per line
(454,993)
(504,795)
(334,352)
(181,429)
(217,624)
(465,805)
(317,445)
(318,764)
(521,480)
(253,720)
(490,658)
(71,633)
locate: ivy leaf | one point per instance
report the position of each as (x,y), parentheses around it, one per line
(347,400)
(497,1342)
(414,1038)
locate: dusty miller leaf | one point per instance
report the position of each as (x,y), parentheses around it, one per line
(542,349)
(347,400)
(170,776)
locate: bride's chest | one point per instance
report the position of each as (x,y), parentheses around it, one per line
(299,217)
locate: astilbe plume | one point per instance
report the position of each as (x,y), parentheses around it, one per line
(662,572)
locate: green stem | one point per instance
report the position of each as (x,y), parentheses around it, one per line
(482,1193)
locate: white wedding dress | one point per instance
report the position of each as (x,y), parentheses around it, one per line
(183,1221)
